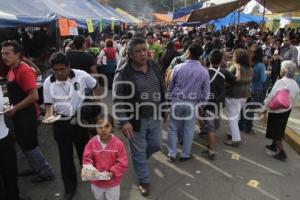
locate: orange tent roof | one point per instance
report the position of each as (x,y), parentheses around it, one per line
(162,18)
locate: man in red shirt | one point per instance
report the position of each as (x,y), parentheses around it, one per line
(23,94)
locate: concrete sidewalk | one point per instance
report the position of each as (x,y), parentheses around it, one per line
(293,129)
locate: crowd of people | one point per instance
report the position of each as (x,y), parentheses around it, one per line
(172,75)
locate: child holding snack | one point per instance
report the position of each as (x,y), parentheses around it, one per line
(107,155)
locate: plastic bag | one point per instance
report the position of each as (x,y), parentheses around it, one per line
(90,173)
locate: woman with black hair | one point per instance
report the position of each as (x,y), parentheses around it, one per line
(208,47)
(168,55)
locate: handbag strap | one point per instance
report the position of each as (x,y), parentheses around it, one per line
(216,73)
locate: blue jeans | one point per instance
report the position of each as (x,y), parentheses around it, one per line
(145,143)
(38,162)
(177,123)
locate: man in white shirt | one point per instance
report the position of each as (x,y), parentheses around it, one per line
(64,92)
(8,161)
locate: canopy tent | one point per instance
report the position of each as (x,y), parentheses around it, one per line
(232,18)
(205,15)
(228,20)
(181,12)
(165,18)
(11,21)
(132,18)
(14,13)
(278,6)
(79,10)
(111,11)
(122,17)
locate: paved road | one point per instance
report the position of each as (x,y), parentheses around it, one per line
(242,173)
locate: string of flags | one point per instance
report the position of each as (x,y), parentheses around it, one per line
(68,27)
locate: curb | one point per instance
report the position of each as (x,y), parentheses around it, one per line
(293,139)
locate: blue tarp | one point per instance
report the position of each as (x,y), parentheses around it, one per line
(233,17)
(79,10)
(181,12)
(228,20)
(14,13)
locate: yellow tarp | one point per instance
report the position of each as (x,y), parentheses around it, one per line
(134,19)
(162,18)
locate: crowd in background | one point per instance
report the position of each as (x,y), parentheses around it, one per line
(229,68)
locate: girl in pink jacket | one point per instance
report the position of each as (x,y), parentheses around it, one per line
(107,154)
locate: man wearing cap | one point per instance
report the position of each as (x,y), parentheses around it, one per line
(164,40)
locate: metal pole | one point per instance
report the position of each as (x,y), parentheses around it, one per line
(173,5)
(263,24)
(238,20)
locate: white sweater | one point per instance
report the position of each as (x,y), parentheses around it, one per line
(293,88)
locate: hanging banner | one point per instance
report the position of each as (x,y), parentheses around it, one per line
(112,25)
(101,25)
(90,25)
(73,27)
(63,27)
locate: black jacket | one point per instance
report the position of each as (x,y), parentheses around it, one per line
(126,73)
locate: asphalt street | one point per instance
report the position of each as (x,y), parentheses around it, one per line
(244,173)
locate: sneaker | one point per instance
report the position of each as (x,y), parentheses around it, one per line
(232,143)
(209,156)
(271,149)
(171,158)
(144,189)
(183,159)
(280,156)
(39,179)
